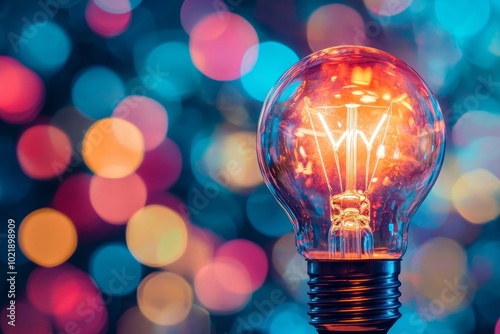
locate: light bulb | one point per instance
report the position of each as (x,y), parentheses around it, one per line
(350,141)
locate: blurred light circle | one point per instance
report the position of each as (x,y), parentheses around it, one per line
(475,125)
(69,295)
(116,200)
(250,256)
(460,18)
(445,181)
(488,41)
(497,327)
(266,215)
(335,24)
(197,322)
(162,166)
(444,263)
(149,116)
(476,196)
(38,322)
(115,270)
(156,235)
(283,252)
(169,71)
(274,59)
(46,48)
(219,46)
(96,91)
(44,151)
(74,299)
(482,153)
(68,289)
(165,298)
(199,252)
(193,11)
(23,92)
(220,286)
(72,198)
(47,237)
(117,6)
(39,286)
(387,7)
(438,57)
(105,23)
(132,321)
(230,160)
(113,148)
(491,35)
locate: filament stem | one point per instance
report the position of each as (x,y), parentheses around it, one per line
(351,147)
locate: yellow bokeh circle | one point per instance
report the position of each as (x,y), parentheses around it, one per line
(475,196)
(47,237)
(444,262)
(231,161)
(113,148)
(156,235)
(165,298)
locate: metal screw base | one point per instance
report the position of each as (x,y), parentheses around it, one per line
(349,296)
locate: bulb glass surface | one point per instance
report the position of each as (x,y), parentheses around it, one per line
(350,141)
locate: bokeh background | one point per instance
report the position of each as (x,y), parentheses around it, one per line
(127,160)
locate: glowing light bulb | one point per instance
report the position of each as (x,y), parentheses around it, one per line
(350,141)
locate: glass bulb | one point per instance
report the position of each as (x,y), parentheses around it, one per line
(350,141)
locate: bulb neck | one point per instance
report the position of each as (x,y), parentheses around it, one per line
(349,296)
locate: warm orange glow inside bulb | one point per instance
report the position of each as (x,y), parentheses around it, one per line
(352,132)
(349,143)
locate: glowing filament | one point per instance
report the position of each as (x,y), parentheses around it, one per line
(350,235)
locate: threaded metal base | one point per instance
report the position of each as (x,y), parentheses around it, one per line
(349,296)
